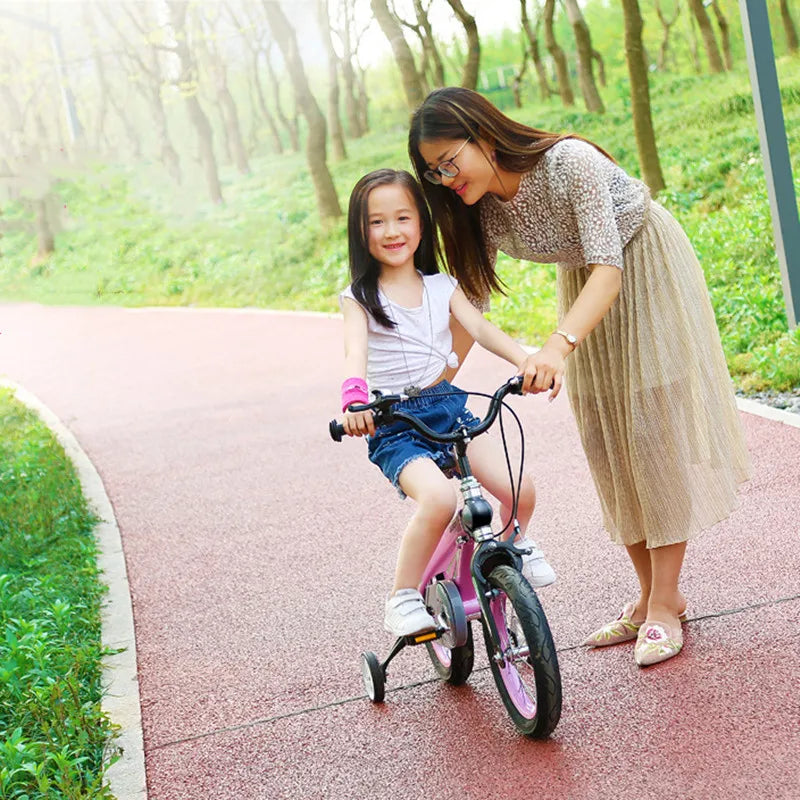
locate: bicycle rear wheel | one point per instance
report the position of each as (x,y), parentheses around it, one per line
(453,665)
(528,680)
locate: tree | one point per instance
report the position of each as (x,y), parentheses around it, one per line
(218,76)
(337,137)
(253,39)
(429,44)
(532,33)
(145,72)
(348,36)
(666,25)
(583,42)
(469,77)
(560,60)
(412,85)
(788,26)
(724,33)
(431,69)
(707,34)
(694,48)
(187,82)
(289,123)
(516,82)
(640,97)
(327,200)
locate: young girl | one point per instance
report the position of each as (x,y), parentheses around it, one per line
(397,336)
(637,338)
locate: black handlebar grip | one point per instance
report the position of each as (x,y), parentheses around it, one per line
(336,430)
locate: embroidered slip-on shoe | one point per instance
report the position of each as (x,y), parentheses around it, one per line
(622,629)
(657,642)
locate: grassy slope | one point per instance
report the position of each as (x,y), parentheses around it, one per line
(131,239)
(53,734)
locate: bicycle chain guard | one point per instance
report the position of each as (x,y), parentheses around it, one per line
(444,601)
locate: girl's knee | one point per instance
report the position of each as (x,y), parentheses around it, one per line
(438,503)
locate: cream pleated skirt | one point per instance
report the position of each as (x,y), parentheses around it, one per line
(652,396)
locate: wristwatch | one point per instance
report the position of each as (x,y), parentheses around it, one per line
(573,340)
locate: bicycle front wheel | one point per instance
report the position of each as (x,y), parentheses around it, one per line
(528,677)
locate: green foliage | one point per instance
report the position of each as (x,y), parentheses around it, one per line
(54,737)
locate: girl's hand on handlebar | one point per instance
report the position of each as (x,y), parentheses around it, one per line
(358,423)
(542,371)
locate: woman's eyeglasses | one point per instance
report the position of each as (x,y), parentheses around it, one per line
(447,168)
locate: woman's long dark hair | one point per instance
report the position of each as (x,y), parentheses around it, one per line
(364,269)
(456,113)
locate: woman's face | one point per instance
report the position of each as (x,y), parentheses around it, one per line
(476,172)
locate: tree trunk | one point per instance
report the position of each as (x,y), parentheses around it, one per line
(334,121)
(437,66)
(218,72)
(354,128)
(533,39)
(363,100)
(601,68)
(788,26)
(640,98)
(724,34)
(289,124)
(516,83)
(277,145)
(187,81)
(560,60)
(666,25)
(469,78)
(707,32)
(583,42)
(694,49)
(45,240)
(327,200)
(412,86)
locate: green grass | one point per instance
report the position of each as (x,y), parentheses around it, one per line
(132,239)
(53,735)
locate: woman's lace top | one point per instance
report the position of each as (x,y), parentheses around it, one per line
(575,207)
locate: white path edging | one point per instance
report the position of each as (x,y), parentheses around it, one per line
(126,778)
(768,412)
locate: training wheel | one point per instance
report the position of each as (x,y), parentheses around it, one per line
(373,677)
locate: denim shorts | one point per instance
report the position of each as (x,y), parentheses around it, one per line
(442,408)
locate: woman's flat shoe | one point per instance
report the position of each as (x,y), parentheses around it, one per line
(657,642)
(622,629)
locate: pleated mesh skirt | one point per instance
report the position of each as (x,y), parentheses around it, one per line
(652,396)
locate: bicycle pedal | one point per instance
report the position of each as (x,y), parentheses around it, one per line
(426,636)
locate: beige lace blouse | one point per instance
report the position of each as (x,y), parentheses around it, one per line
(575,207)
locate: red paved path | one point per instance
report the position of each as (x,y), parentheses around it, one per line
(259,552)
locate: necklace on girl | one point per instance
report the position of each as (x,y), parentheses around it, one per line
(414,389)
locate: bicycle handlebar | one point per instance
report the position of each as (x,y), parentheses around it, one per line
(385,415)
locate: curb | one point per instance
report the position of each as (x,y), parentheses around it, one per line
(126,777)
(768,412)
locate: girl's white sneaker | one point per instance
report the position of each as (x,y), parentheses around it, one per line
(534,565)
(406,614)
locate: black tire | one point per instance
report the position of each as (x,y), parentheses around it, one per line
(373,677)
(529,684)
(453,665)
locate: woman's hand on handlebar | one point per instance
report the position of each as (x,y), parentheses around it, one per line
(358,423)
(543,371)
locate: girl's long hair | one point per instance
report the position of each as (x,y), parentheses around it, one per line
(456,113)
(364,269)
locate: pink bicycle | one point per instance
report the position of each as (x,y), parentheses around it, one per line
(473,575)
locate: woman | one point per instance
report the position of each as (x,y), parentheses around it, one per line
(637,340)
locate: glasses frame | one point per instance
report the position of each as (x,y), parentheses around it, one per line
(448,167)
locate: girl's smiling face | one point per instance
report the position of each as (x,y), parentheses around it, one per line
(394,226)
